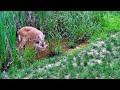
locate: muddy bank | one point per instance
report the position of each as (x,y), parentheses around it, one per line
(48,51)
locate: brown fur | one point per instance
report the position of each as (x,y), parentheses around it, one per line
(32,34)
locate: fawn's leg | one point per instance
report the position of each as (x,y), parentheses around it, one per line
(23,42)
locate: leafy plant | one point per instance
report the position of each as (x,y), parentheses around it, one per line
(71,44)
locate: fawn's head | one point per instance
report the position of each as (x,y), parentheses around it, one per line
(42,41)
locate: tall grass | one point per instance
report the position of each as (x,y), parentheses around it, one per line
(7,31)
(73,25)
(19,17)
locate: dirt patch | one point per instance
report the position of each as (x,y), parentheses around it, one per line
(47,52)
(78,46)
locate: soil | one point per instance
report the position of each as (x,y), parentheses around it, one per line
(46,52)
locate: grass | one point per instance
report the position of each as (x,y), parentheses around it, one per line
(7,31)
(78,64)
(97,60)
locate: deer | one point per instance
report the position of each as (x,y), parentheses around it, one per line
(32,34)
(39,48)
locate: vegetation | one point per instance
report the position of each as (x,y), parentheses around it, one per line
(99,59)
